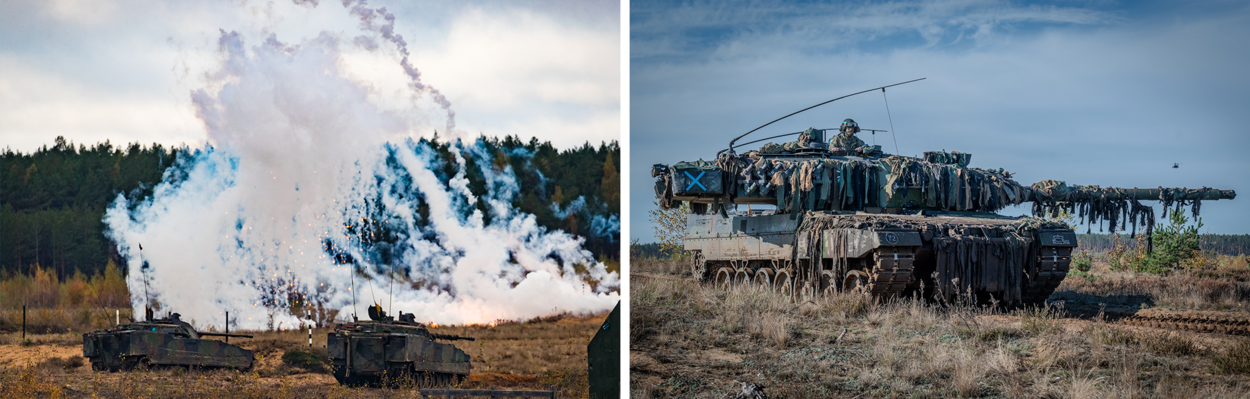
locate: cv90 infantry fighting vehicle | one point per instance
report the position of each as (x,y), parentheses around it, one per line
(385,350)
(161,342)
(859,220)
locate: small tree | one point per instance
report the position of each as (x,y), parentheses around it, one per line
(670,227)
(1175,243)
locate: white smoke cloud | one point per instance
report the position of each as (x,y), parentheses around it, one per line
(602,223)
(305,179)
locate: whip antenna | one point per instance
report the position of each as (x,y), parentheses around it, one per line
(391,299)
(353,275)
(887,114)
(731,142)
(147,298)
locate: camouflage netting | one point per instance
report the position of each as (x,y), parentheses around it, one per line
(950,158)
(1118,206)
(971,253)
(854,183)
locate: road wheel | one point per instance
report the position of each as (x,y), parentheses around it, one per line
(724,278)
(783,283)
(743,277)
(764,278)
(856,282)
(828,287)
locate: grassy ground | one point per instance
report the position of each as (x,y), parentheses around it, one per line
(548,353)
(59,320)
(1216,283)
(692,340)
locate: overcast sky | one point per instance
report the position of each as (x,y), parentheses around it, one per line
(1099,93)
(122,70)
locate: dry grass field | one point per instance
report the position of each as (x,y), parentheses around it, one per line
(693,340)
(547,353)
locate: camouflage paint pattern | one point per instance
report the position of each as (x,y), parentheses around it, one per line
(603,358)
(367,350)
(154,344)
(845,142)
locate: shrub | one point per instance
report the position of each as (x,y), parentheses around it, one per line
(1164,344)
(1082,261)
(67,363)
(311,359)
(1234,361)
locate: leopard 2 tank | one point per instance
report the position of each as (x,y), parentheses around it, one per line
(860,220)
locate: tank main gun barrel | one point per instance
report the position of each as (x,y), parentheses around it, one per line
(214,334)
(1053,190)
(451,337)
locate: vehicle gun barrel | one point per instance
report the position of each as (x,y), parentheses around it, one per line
(215,334)
(1052,190)
(451,337)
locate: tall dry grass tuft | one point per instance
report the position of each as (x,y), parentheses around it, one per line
(1085,386)
(1001,361)
(1235,360)
(1169,344)
(762,313)
(1040,320)
(969,371)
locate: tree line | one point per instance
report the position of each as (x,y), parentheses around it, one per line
(52,200)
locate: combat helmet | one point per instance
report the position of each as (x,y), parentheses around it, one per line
(848,122)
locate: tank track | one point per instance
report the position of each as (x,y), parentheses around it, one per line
(892,271)
(1052,267)
(1207,322)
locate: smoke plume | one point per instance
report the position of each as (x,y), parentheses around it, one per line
(308,194)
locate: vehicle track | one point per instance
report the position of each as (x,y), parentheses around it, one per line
(1231,323)
(1199,321)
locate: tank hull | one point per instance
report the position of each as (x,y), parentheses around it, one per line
(1013,260)
(387,359)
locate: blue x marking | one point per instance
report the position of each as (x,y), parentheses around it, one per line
(694,180)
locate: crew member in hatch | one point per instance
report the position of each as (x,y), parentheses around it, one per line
(846,140)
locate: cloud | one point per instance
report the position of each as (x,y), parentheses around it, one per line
(507,68)
(721,29)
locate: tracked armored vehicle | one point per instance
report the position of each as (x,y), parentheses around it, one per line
(863,221)
(162,342)
(388,351)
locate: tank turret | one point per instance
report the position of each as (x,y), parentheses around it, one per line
(866,221)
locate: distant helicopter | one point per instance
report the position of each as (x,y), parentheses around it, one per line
(1176,165)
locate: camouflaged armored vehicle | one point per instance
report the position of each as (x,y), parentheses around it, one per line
(161,342)
(387,351)
(830,219)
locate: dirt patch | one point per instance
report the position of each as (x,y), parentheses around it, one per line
(27,356)
(503,380)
